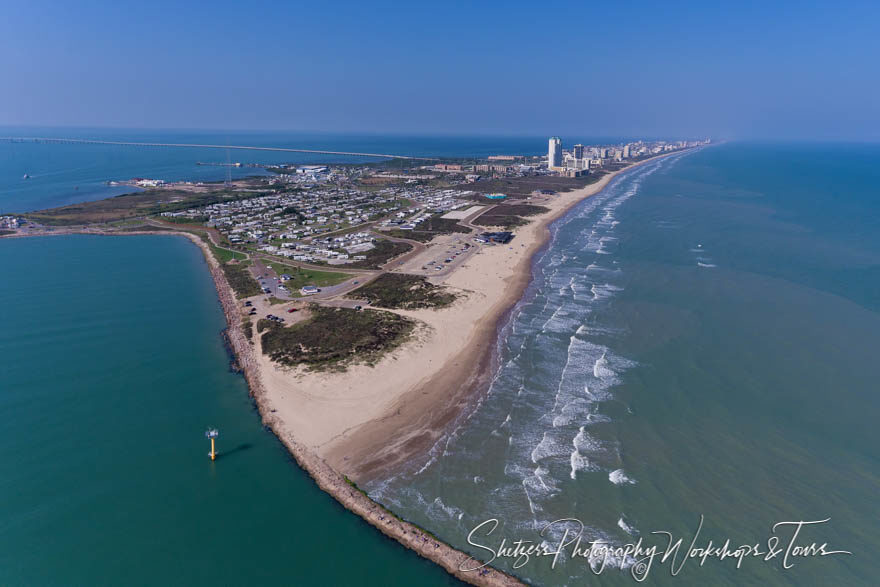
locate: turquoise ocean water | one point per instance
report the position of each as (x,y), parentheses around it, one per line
(699,339)
(112,368)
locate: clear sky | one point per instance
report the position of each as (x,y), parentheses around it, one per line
(725,69)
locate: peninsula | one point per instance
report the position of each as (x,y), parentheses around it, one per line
(363,302)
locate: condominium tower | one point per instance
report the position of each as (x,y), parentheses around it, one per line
(554,153)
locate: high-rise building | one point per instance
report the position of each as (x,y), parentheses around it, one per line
(554,153)
(578,151)
(626,151)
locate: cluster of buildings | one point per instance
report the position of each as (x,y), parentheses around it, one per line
(496,165)
(319,222)
(278,219)
(426,202)
(297,172)
(581,159)
(140,182)
(574,162)
(332,249)
(316,211)
(9,223)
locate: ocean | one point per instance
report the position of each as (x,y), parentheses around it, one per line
(113,366)
(698,340)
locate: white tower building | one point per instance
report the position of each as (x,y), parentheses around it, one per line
(554,153)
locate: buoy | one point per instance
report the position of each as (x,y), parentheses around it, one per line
(212,433)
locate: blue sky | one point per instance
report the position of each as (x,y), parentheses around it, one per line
(743,69)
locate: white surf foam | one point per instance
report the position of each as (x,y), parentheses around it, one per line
(578,463)
(548,447)
(628,528)
(603,291)
(451,512)
(601,368)
(618,477)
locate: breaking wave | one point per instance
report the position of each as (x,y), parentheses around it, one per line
(548,423)
(618,477)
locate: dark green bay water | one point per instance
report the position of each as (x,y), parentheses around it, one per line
(699,339)
(111,367)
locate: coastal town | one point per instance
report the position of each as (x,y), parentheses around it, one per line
(362,300)
(381,254)
(334,215)
(323,226)
(416,294)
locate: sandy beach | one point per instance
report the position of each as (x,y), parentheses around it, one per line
(357,424)
(369,420)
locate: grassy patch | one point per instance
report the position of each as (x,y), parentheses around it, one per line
(415,235)
(240,280)
(301,277)
(186,219)
(225,255)
(384,251)
(509,216)
(334,337)
(139,204)
(404,292)
(444,225)
(146,228)
(428,229)
(522,187)
(4,232)
(222,255)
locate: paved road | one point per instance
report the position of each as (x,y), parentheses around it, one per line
(272,282)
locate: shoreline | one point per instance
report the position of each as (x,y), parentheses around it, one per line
(328,479)
(336,484)
(441,384)
(471,375)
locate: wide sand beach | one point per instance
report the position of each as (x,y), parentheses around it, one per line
(351,426)
(369,420)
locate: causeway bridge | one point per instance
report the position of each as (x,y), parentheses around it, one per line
(201,146)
